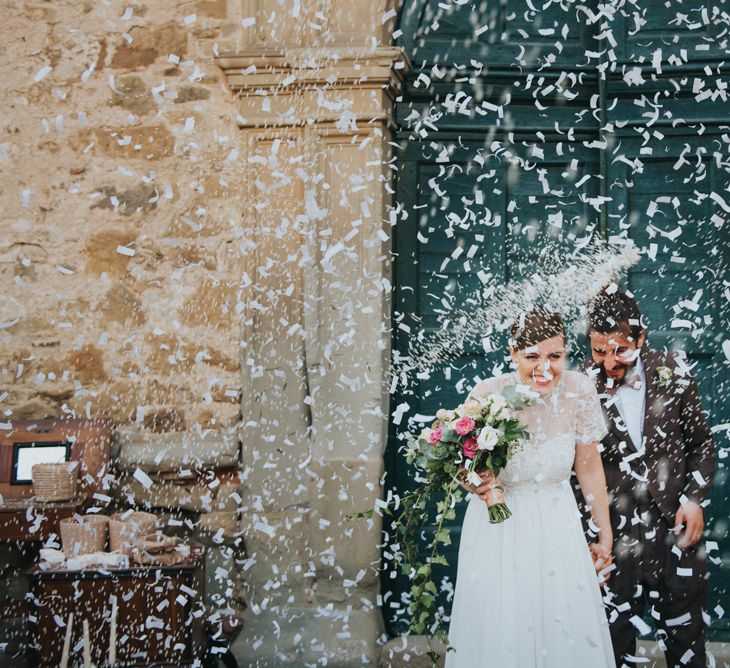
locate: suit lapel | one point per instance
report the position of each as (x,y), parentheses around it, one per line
(614,417)
(651,399)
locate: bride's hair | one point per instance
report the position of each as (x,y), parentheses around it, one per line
(534,326)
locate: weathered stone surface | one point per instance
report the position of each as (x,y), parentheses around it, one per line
(148,44)
(192,496)
(341,637)
(150,142)
(212,305)
(191,94)
(228,497)
(127,202)
(218,528)
(166,419)
(35,409)
(214,8)
(175,450)
(88,362)
(275,544)
(132,94)
(350,547)
(57,390)
(121,305)
(221,570)
(102,254)
(116,124)
(169,354)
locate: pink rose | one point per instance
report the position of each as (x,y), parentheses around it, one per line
(464,426)
(435,435)
(469,447)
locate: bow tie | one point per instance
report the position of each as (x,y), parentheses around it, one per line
(632,379)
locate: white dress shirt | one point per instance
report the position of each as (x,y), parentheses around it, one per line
(630,402)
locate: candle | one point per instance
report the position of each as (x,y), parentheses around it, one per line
(87,645)
(67,641)
(113,634)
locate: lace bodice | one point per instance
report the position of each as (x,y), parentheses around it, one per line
(569,416)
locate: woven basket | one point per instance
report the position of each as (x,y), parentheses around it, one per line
(55,482)
(83,534)
(126,529)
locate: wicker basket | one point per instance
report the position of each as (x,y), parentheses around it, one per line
(83,534)
(126,529)
(55,482)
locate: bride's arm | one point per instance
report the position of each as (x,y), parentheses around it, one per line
(589,471)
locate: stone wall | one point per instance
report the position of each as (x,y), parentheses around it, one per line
(195,243)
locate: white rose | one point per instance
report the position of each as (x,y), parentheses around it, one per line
(425,433)
(446,415)
(487,438)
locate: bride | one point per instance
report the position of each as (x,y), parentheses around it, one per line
(527,594)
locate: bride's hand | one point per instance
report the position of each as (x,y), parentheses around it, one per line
(602,558)
(488,483)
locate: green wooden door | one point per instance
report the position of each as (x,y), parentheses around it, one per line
(508,140)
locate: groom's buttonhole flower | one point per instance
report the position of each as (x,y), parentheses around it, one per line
(663,376)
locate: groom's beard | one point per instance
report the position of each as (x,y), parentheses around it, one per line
(617,381)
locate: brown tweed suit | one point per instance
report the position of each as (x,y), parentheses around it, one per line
(646,489)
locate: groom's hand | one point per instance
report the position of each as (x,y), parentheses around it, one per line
(690,516)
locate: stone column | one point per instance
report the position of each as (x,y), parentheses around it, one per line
(316,333)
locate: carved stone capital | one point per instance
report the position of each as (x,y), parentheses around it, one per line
(305,86)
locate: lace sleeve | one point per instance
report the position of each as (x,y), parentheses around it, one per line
(590,425)
(489,386)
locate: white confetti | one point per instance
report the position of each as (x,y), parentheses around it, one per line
(42,73)
(143,478)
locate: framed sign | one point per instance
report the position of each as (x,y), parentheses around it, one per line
(25,455)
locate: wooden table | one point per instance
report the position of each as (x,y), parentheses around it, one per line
(31,520)
(160,617)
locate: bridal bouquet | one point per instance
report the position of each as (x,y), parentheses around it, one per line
(474,442)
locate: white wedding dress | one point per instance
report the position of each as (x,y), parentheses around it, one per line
(527,594)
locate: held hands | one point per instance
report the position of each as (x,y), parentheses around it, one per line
(691,518)
(602,558)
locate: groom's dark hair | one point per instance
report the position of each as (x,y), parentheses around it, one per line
(614,311)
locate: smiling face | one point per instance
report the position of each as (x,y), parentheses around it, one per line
(615,352)
(540,366)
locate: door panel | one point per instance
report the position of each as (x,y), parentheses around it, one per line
(523,136)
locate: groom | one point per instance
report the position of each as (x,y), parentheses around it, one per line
(659,460)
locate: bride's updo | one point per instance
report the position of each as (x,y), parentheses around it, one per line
(537,324)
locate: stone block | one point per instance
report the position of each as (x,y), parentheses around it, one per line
(127,202)
(229,497)
(164,419)
(169,494)
(133,95)
(146,142)
(336,637)
(58,390)
(276,551)
(148,43)
(343,549)
(221,572)
(173,451)
(218,528)
(101,252)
